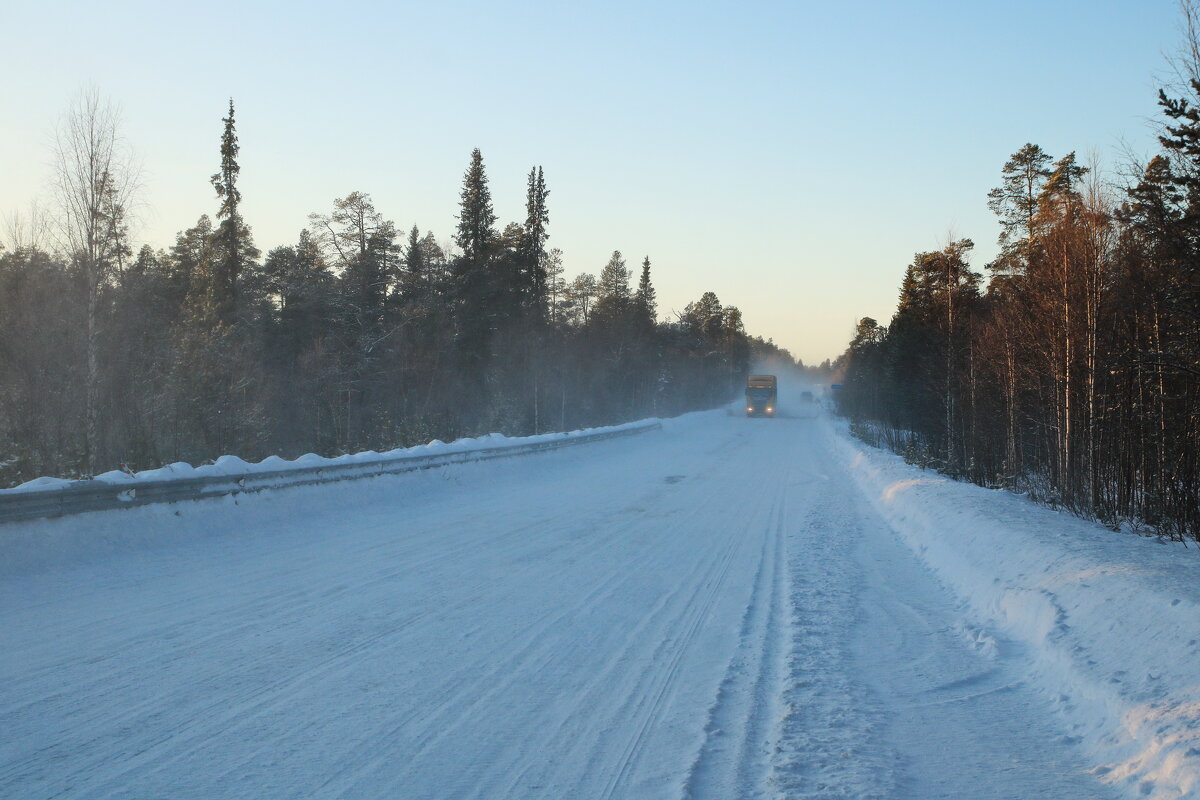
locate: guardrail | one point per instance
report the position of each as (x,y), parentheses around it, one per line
(84,496)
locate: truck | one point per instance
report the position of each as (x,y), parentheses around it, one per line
(761,395)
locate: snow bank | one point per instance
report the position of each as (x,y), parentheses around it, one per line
(232,466)
(1111,621)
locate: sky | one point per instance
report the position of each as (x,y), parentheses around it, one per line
(790,156)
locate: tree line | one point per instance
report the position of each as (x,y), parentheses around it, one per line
(356,336)
(1074,374)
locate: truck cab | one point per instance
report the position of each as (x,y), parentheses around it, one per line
(761,395)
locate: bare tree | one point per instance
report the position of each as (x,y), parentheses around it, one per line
(1184,63)
(94,182)
(26,232)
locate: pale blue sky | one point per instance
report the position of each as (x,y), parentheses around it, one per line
(790,157)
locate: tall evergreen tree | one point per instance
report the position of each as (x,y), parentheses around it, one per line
(416,279)
(1061,190)
(476,219)
(1015,202)
(533,256)
(613,296)
(476,313)
(645,299)
(232,242)
(303,288)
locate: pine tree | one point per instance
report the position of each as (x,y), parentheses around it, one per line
(1015,202)
(705,317)
(360,245)
(580,296)
(1060,193)
(345,234)
(737,347)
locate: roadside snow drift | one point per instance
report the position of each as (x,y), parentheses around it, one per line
(1112,620)
(233,466)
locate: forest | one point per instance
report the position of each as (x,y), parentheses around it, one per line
(357,336)
(1073,374)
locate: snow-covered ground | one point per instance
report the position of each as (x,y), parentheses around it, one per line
(726,608)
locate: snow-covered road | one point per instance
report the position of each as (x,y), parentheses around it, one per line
(710,611)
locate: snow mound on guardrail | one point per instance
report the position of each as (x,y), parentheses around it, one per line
(1111,620)
(232,466)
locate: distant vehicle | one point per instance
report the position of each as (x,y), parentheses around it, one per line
(808,405)
(761,395)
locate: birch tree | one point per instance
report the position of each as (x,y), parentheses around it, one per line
(94,182)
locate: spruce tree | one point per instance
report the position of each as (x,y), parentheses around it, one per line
(1181,139)
(475,287)
(476,220)
(232,242)
(613,296)
(533,255)
(644,300)
(415,281)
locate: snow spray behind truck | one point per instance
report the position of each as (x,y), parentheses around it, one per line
(761,395)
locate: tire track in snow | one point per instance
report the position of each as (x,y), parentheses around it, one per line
(829,744)
(656,632)
(735,756)
(663,635)
(592,725)
(492,676)
(699,604)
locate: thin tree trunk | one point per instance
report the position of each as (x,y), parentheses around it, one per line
(92,391)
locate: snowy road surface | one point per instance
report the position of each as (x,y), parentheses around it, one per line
(710,611)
